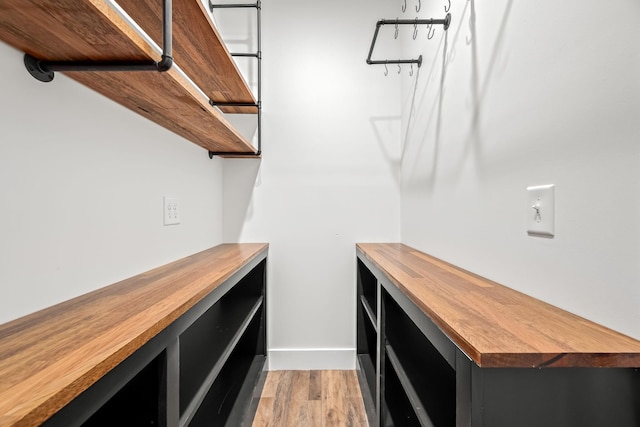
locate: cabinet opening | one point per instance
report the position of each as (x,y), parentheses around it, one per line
(206,340)
(398,409)
(217,406)
(367,349)
(431,378)
(368,287)
(139,403)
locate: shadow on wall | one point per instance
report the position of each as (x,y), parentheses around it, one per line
(386,144)
(241,176)
(479,91)
(433,124)
(435,112)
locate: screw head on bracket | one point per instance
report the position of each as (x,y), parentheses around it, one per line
(36,70)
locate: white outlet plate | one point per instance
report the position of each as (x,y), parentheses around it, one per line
(171,210)
(541,211)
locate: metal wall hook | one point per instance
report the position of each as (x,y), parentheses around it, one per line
(399,69)
(386,70)
(396,35)
(415,29)
(404,8)
(431,33)
(419,6)
(447,9)
(411,72)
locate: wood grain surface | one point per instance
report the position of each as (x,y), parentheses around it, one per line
(495,325)
(311,399)
(93,30)
(51,356)
(198,49)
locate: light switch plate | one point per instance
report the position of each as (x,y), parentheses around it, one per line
(541,210)
(171,210)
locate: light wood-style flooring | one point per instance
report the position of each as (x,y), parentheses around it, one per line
(311,399)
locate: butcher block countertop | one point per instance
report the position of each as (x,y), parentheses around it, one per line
(496,326)
(49,357)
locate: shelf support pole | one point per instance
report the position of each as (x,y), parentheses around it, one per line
(44,70)
(258,57)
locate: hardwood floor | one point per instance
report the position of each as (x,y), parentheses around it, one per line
(311,399)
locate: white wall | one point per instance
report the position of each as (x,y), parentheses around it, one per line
(528,93)
(81,187)
(329,176)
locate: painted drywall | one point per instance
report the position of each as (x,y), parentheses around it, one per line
(328,178)
(518,94)
(82,181)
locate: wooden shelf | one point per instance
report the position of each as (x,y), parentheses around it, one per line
(94,30)
(494,325)
(198,48)
(50,357)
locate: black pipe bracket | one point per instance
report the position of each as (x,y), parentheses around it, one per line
(44,71)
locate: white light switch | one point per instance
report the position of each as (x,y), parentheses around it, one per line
(171,210)
(540,211)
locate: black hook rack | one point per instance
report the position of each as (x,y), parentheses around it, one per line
(44,70)
(258,56)
(444,22)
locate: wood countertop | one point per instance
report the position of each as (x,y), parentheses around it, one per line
(49,357)
(497,326)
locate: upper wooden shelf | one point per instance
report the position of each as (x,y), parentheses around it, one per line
(495,325)
(49,357)
(197,47)
(92,30)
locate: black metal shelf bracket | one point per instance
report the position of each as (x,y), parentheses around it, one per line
(44,70)
(415,22)
(255,55)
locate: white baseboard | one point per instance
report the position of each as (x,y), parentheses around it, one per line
(305,359)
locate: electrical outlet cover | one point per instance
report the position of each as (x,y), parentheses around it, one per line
(541,211)
(171,210)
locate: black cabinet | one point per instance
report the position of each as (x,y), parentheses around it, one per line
(413,374)
(202,370)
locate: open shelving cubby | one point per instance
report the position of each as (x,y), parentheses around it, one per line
(137,402)
(95,30)
(410,355)
(367,333)
(218,350)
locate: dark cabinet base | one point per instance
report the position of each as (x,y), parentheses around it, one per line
(556,397)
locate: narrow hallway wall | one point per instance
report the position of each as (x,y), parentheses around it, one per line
(82,181)
(518,94)
(329,176)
